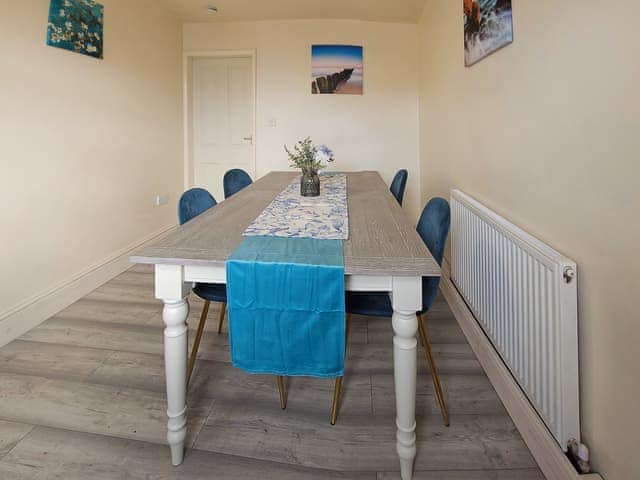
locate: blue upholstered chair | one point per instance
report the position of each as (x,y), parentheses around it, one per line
(192,203)
(234,181)
(433,228)
(398,185)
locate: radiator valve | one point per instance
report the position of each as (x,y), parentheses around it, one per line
(578,453)
(568,274)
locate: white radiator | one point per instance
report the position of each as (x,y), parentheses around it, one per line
(523,293)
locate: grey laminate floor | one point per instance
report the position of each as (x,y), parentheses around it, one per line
(82,397)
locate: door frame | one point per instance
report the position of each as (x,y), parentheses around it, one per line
(187,77)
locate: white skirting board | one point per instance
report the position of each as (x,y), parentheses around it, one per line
(35,310)
(551,459)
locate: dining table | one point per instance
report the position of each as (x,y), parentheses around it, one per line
(383,253)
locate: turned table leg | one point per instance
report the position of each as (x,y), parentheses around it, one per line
(406,299)
(171,288)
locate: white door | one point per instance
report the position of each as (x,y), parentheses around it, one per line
(222,125)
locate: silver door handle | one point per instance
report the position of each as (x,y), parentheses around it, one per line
(248,139)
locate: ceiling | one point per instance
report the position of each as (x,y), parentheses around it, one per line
(402,11)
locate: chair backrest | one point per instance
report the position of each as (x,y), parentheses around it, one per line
(234,181)
(193,202)
(398,185)
(433,228)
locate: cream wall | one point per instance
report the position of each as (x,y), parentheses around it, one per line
(85,145)
(547,133)
(376,131)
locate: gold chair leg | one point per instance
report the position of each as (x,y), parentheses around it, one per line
(223,308)
(196,343)
(283,393)
(434,371)
(337,388)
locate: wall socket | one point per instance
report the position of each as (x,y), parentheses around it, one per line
(162,199)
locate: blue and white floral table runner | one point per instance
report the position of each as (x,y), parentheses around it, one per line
(285,285)
(293,216)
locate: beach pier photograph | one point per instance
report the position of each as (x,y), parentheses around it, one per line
(337,69)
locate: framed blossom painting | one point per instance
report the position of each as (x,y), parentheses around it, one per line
(76,25)
(488,26)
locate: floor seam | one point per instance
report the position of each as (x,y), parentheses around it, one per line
(72,345)
(102,364)
(83,432)
(2,457)
(204,423)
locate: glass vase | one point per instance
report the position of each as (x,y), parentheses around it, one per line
(310,184)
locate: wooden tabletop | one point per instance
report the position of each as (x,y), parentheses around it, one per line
(382,241)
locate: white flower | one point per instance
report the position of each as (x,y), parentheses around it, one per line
(324,155)
(91,48)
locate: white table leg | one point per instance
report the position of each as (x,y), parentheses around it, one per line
(171,288)
(406,299)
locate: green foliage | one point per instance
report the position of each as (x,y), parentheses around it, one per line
(303,155)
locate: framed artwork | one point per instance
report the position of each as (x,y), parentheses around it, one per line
(336,69)
(488,26)
(76,25)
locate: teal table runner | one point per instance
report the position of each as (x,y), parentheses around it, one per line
(286,306)
(285,285)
